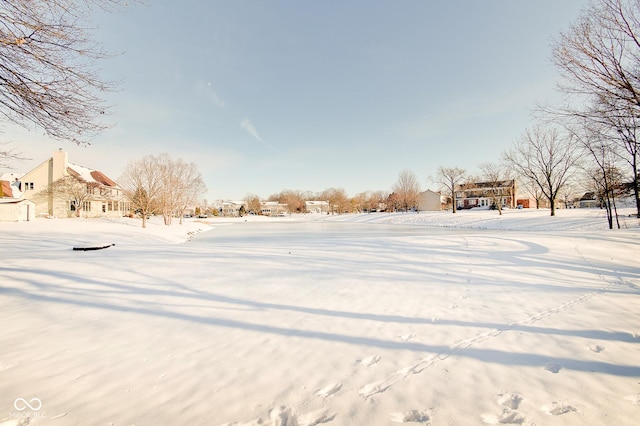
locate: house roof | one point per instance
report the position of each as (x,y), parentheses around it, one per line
(90,176)
(14,200)
(7,191)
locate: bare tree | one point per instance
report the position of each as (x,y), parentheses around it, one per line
(378,200)
(337,198)
(294,200)
(407,189)
(8,154)
(74,191)
(160,183)
(602,170)
(599,57)
(545,157)
(449,178)
(495,180)
(190,186)
(48,73)
(141,182)
(252,202)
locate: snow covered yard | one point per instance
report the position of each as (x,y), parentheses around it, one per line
(375,319)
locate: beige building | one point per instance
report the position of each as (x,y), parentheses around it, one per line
(429,201)
(93,193)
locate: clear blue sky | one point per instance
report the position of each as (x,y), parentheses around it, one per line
(270,95)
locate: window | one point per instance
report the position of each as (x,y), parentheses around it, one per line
(104,208)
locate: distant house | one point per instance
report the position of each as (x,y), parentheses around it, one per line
(273,208)
(482,194)
(98,195)
(429,201)
(320,207)
(588,200)
(231,208)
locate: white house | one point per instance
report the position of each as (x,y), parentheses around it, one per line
(12,207)
(317,206)
(16,210)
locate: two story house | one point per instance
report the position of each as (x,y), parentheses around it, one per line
(62,189)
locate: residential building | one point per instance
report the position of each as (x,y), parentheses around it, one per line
(12,207)
(429,201)
(99,196)
(231,208)
(273,208)
(482,194)
(319,207)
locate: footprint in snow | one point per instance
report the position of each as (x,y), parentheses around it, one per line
(373,388)
(509,401)
(406,337)
(369,361)
(329,390)
(634,399)
(507,417)
(596,348)
(558,409)
(553,367)
(413,416)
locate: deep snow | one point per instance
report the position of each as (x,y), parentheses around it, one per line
(371,319)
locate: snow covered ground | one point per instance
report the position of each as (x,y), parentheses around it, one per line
(372,319)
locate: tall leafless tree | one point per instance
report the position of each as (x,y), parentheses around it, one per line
(162,184)
(599,57)
(547,157)
(449,178)
(337,198)
(48,74)
(141,182)
(407,189)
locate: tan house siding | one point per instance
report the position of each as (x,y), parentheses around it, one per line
(106,198)
(429,201)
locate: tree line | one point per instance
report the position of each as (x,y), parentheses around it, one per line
(48,79)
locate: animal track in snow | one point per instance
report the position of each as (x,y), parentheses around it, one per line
(557,409)
(329,390)
(369,361)
(414,416)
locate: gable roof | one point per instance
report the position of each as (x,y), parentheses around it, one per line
(7,191)
(90,176)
